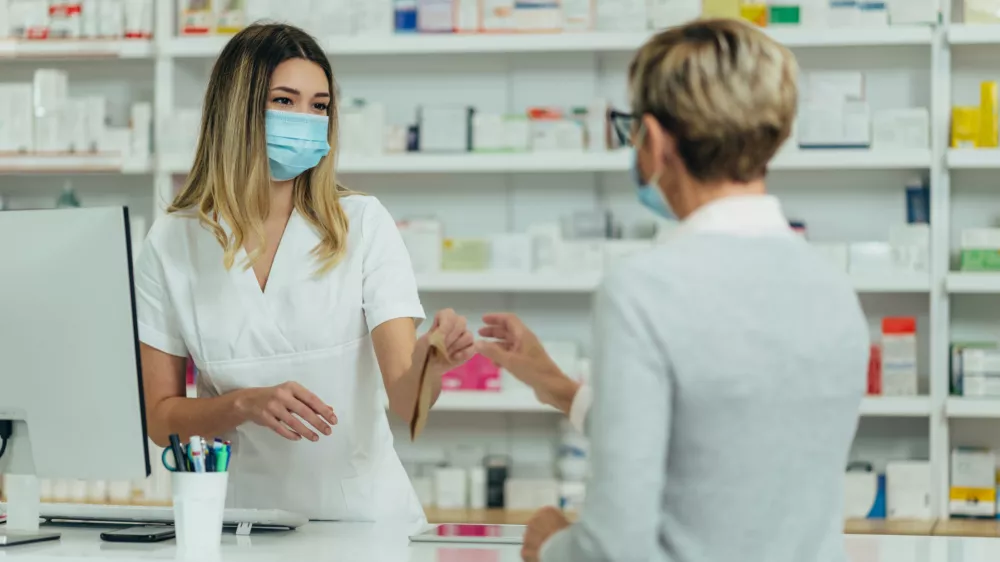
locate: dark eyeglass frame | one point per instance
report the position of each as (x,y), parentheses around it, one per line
(622,122)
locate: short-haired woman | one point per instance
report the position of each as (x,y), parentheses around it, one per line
(730,362)
(290,293)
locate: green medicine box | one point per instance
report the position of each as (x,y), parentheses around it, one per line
(980,260)
(784,15)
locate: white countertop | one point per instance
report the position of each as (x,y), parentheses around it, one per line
(352,542)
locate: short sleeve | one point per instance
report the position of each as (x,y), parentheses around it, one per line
(389,286)
(159,326)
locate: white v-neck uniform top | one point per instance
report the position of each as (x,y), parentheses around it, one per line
(311,329)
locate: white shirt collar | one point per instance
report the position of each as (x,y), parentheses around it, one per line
(744,215)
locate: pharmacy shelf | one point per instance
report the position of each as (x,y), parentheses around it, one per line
(595,42)
(973,282)
(957,407)
(983,34)
(476,401)
(508,283)
(896,406)
(76,49)
(974,159)
(588,162)
(70,164)
(490,282)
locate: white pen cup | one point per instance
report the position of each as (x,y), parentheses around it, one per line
(199,504)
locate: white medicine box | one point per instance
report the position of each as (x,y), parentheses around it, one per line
(973,483)
(908,490)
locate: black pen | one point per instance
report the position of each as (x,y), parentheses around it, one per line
(180,459)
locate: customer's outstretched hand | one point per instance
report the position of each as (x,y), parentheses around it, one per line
(518,350)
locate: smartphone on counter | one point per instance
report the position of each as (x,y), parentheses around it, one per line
(146,533)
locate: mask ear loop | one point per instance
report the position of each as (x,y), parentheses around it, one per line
(640,136)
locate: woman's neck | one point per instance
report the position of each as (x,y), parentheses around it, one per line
(282,201)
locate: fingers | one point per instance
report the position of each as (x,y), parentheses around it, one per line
(303,395)
(280,428)
(293,423)
(493,352)
(463,349)
(304,412)
(496,332)
(450,325)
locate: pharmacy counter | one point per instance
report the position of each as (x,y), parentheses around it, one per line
(336,542)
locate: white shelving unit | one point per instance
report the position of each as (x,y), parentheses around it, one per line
(166,52)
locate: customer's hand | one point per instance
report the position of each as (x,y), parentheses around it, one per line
(458,340)
(282,408)
(519,351)
(543,524)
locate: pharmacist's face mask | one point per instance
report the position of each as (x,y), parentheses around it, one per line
(296,142)
(649,192)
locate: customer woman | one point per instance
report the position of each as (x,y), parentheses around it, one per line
(731,361)
(290,294)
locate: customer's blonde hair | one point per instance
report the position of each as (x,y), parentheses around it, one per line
(230,180)
(726,92)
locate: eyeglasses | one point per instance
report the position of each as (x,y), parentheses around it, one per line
(622,123)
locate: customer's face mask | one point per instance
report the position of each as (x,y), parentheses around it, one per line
(649,193)
(296,142)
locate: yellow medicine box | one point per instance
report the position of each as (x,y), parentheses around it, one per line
(754,13)
(465,254)
(720,9)
(965,127)
(988,115)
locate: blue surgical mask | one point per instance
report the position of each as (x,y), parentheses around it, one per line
(296,142)
(649,193)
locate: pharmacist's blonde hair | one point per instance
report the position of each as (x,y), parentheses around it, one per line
(724,90)
(230,180)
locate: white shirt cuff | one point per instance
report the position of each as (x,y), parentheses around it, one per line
(581,407)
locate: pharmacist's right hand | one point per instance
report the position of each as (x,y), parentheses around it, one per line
(283,409)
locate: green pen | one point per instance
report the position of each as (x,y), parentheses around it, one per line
(222,459)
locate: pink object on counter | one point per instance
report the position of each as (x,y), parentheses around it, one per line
(479,373)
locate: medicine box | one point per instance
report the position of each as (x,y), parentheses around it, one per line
(498,16)
(435,16)
(980,239)
(783,14)
(720,9)
(530,494)
(955,366)
(445,128)
(965,125)
(870,257)
(899,356)
(370,18)
(578,15)
(903,12)
(908,490)
(980,260)
(981,11)
(468,16)
(511,253)
(754,12)
(901,128)
(973,483)
(864,495)
(626,15)
(465,254)
(873,13)
(195,17)
(538,15)
(423,239)
(911,247)
(477,374)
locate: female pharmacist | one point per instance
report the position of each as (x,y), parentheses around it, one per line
(291,295)
(730,362)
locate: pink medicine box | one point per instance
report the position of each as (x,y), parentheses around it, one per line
(479,373)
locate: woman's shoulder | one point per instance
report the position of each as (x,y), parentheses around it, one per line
(172,228)
(357,205)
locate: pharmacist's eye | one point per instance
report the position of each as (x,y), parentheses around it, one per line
(321,107)
(282,101)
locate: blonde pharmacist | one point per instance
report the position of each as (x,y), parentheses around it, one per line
(730,362)
(292,295)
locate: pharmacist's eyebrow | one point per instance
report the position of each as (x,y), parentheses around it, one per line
(295,92)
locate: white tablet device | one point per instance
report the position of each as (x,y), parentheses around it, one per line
(484,534)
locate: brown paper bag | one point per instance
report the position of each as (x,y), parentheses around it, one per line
(425,390)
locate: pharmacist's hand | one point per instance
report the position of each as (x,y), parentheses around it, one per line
(542,525)
(518,350)
(458,340)
(283,408)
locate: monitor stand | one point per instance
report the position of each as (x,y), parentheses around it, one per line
(23,498)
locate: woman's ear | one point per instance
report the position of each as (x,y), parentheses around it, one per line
(660,142)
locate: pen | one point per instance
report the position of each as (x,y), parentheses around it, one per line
(222,462)
(229,455)
(180,459)
(197,454)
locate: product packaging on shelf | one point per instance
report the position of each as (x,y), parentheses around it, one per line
(65,20)
(904,12)
(465,254)
(195,17)
(834,113)
(468,15)
(538,15)
(721,9)
(111,21)
(371,18)
(29,19)
(908,490)
(405,16)
(142,125)
(754,12)
(965,127)
(511,253)
(138,19)
(670,13)
(230,16)
(981,11)
(451,488)
(498,15)
(578,15)
(623,15)
(424,240)
(50,88)
(435,16)
(784,14)
(445,128)
(911,247)
(901,129)
(988,115)
(899,356)
(973,483)
(477,374)
(873,13)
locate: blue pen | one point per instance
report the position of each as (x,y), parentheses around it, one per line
(197,454)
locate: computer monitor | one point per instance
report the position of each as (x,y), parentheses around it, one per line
(70,377)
